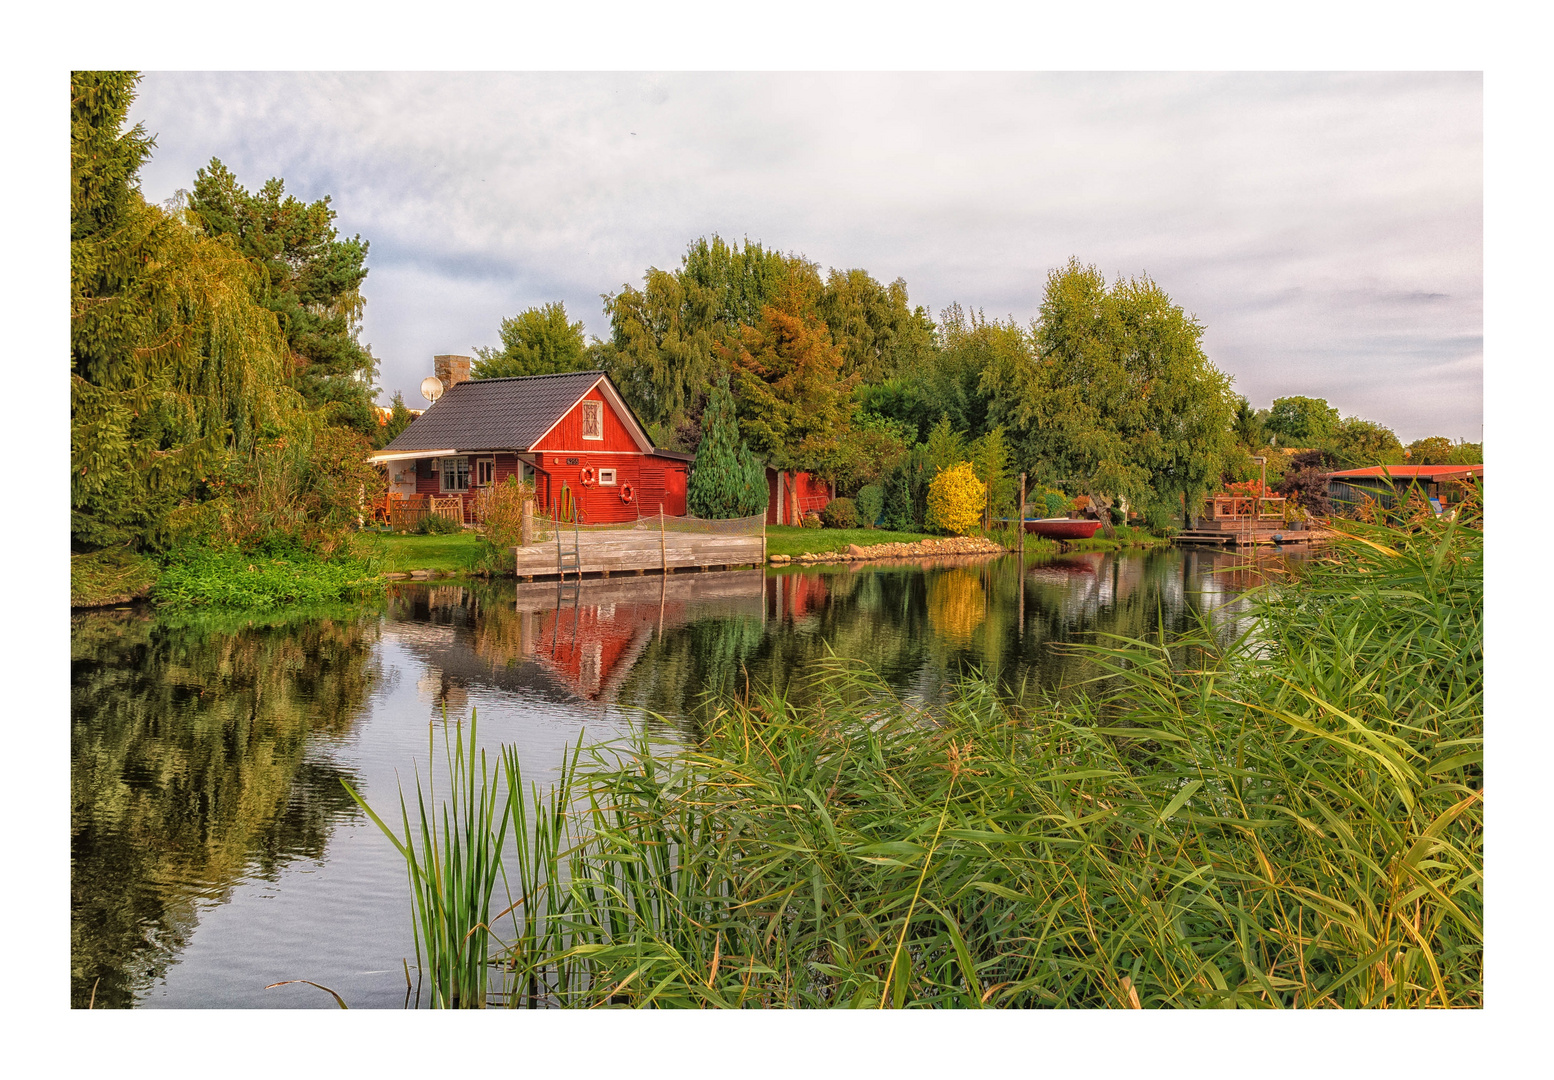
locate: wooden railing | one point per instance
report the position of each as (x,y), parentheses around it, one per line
(1248,507)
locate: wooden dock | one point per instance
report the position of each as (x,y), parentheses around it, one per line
(638,550)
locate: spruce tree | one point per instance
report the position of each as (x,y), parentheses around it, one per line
(726,479)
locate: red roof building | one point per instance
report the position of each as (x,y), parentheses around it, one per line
(570,435)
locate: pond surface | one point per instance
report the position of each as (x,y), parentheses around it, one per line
(214,849)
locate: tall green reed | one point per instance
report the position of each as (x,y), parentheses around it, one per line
(454,870)
(1291,818)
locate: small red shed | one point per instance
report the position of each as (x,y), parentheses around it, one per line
(571,432)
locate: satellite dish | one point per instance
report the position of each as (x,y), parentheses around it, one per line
(431,388)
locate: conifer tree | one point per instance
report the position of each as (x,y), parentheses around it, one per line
(726,479)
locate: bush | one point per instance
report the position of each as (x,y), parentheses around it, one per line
(810,520)
(1057,504)
(840,514)
(955,500)
(437,525)
(871,503)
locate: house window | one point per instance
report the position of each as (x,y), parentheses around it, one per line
(484,469)
(606,477)
(593,419)
(455,473)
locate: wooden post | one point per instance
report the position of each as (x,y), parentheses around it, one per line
(526,531)
(1020,525)
(663,550)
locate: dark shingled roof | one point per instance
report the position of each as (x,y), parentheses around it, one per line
(495,414)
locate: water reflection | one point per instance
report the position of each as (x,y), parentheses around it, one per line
(195,762)
(207,757)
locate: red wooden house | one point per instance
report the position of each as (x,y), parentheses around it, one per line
(569,432)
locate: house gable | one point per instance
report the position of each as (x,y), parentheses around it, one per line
(621,435)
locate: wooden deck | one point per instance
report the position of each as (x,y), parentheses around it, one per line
(636,551)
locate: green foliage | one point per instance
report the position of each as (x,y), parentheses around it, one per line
(990,460)
(200,576)
(840,514)
(305,480)
(1247,426)
(906,492)
(794,403)
(310,278)
(1112,392)
(956,499)
(726,479)
(871,504)
(944,448)
(810,520)
(536,341)
(874,445)
(665,337)
(437,525)
(1359,443)
(1056,504)
(1439,450)
(878,334)
(174,363)
(398,420)
(1302,422)
(501,519)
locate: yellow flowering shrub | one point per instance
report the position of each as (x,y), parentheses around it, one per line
(955,500)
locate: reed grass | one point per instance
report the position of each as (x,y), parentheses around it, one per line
(1291,818)
(454,870)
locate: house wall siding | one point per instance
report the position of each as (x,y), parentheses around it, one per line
(568,433)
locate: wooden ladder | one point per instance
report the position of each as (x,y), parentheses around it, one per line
(569,560)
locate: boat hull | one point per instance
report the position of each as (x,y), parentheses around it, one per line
(1062,528)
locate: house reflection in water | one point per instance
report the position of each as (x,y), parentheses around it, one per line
(563,644)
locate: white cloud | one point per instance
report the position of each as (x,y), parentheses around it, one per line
(1302,217)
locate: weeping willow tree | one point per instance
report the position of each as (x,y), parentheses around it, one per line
(174,365)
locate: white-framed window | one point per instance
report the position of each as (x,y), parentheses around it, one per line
(606,477)
(454,472)
(593,419)
(485,470)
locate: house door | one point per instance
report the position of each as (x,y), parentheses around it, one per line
(674,490)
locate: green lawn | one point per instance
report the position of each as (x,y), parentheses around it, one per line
(795,540)
(454,552)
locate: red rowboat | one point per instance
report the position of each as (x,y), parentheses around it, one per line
(1062,528)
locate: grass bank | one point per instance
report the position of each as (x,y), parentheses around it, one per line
(452,553)
(1291,819)
(263,580)
(796,540)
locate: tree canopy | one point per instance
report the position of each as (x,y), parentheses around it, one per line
(536,341)
(310,277)
(173,359)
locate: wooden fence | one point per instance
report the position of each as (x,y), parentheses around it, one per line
(406,511)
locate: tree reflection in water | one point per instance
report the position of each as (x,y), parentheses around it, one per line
(191,769)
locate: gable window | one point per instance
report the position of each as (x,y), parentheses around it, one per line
(593,419)
(485,468)
(455,473)
(606,477)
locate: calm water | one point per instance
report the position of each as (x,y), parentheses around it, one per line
(214,849)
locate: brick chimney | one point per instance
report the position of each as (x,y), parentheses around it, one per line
(450,370)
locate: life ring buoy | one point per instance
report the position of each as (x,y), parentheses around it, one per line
(627,494)
(588,477)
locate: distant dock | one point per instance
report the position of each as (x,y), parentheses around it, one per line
(657,544)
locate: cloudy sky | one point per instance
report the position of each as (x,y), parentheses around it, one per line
(1327,229)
